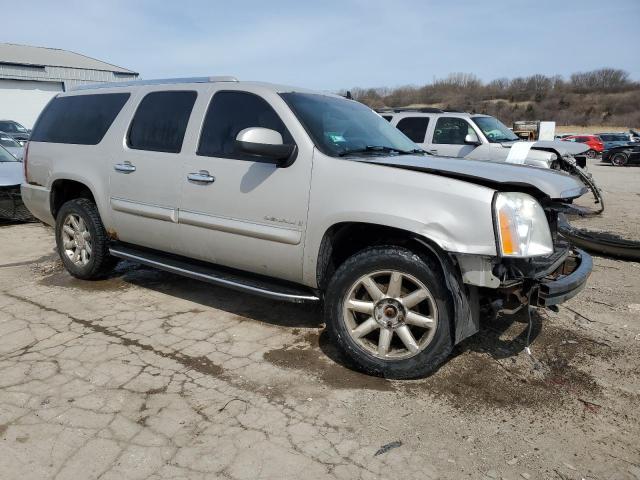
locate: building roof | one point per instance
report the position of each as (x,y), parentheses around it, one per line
(53,57)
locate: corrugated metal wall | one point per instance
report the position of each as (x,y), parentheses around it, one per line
(70,77)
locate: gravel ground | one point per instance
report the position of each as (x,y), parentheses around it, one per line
(148,375)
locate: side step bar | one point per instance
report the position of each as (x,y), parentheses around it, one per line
(217,275)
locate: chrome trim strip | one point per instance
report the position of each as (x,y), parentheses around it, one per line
(240,227)
(144,209)
(215,280)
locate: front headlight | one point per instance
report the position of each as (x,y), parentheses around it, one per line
(522,227)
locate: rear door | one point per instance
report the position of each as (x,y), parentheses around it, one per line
(249,214)
(415,128)
(145,173)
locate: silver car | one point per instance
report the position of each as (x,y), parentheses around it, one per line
(11,145)
(301,196)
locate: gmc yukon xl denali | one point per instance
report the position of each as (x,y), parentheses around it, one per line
(301,196)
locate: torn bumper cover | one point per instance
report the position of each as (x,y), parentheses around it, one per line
(566,281)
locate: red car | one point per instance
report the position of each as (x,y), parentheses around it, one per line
(593,141)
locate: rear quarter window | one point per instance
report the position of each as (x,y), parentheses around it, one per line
(80,119)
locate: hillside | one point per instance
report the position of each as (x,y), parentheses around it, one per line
(602,97)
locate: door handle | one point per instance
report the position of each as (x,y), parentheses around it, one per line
(201,177)
(125,167)
(433,151)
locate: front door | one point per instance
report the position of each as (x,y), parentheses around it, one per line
(144,176)
(448,139)
(243,211)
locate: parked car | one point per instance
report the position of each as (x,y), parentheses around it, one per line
(300,196)
(482,137)
(11,145)
(11,205)
(611,140)
(622,156)
(16,130)
(592,141)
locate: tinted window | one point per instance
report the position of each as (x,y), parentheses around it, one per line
(81,119)
(228,114)
(161,121)
(451,131)
(414,127)
(12,127)
(387,118)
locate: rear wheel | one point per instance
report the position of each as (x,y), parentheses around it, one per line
(619,159)
(591,154)
(388,310)
(82,241)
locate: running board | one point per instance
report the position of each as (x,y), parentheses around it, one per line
(223,277)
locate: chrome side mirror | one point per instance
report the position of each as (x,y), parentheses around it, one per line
(266,143)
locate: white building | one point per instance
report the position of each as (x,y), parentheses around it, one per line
(30,76)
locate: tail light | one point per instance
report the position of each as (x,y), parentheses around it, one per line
(25,159)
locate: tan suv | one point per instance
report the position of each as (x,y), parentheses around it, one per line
(300,196)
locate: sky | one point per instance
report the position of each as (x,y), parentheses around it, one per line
(333,45)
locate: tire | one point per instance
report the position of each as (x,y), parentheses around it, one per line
(591,154)
(90,236)
(355,323)
(619,159)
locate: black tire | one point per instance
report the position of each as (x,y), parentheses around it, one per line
(591,154)
(619,159)
(100,263)
(407,262)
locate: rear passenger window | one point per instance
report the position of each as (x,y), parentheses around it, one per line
(228,114)
(79,119)
(414,127)
(161,121)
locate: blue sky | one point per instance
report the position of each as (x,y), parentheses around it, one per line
(331,45)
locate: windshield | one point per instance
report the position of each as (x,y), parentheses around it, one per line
(494,130)
(12,127)
(5,156)
(341,127)
(7,141)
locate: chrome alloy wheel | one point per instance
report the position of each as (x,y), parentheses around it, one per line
(392,315)
(76,239)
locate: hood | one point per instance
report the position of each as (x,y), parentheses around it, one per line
(540,182)
(561,147)
(10,174)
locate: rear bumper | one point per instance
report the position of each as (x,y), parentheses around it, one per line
(566,281)
(36,199)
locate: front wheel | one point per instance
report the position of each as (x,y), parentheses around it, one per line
(619,159)
(82,241)
(592,154)
(387,309)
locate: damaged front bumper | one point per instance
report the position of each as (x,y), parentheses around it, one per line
(564,282)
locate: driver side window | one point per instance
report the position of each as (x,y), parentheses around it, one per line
(231,112)
(452,131)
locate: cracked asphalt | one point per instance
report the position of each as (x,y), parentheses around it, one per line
(146,375)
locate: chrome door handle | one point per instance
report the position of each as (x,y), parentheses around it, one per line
(433,151)
(201,177)
(125,167)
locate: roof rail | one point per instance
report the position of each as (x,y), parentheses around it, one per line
(158,81)
(410,109)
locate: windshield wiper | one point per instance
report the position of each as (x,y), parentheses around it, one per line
(380,149)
